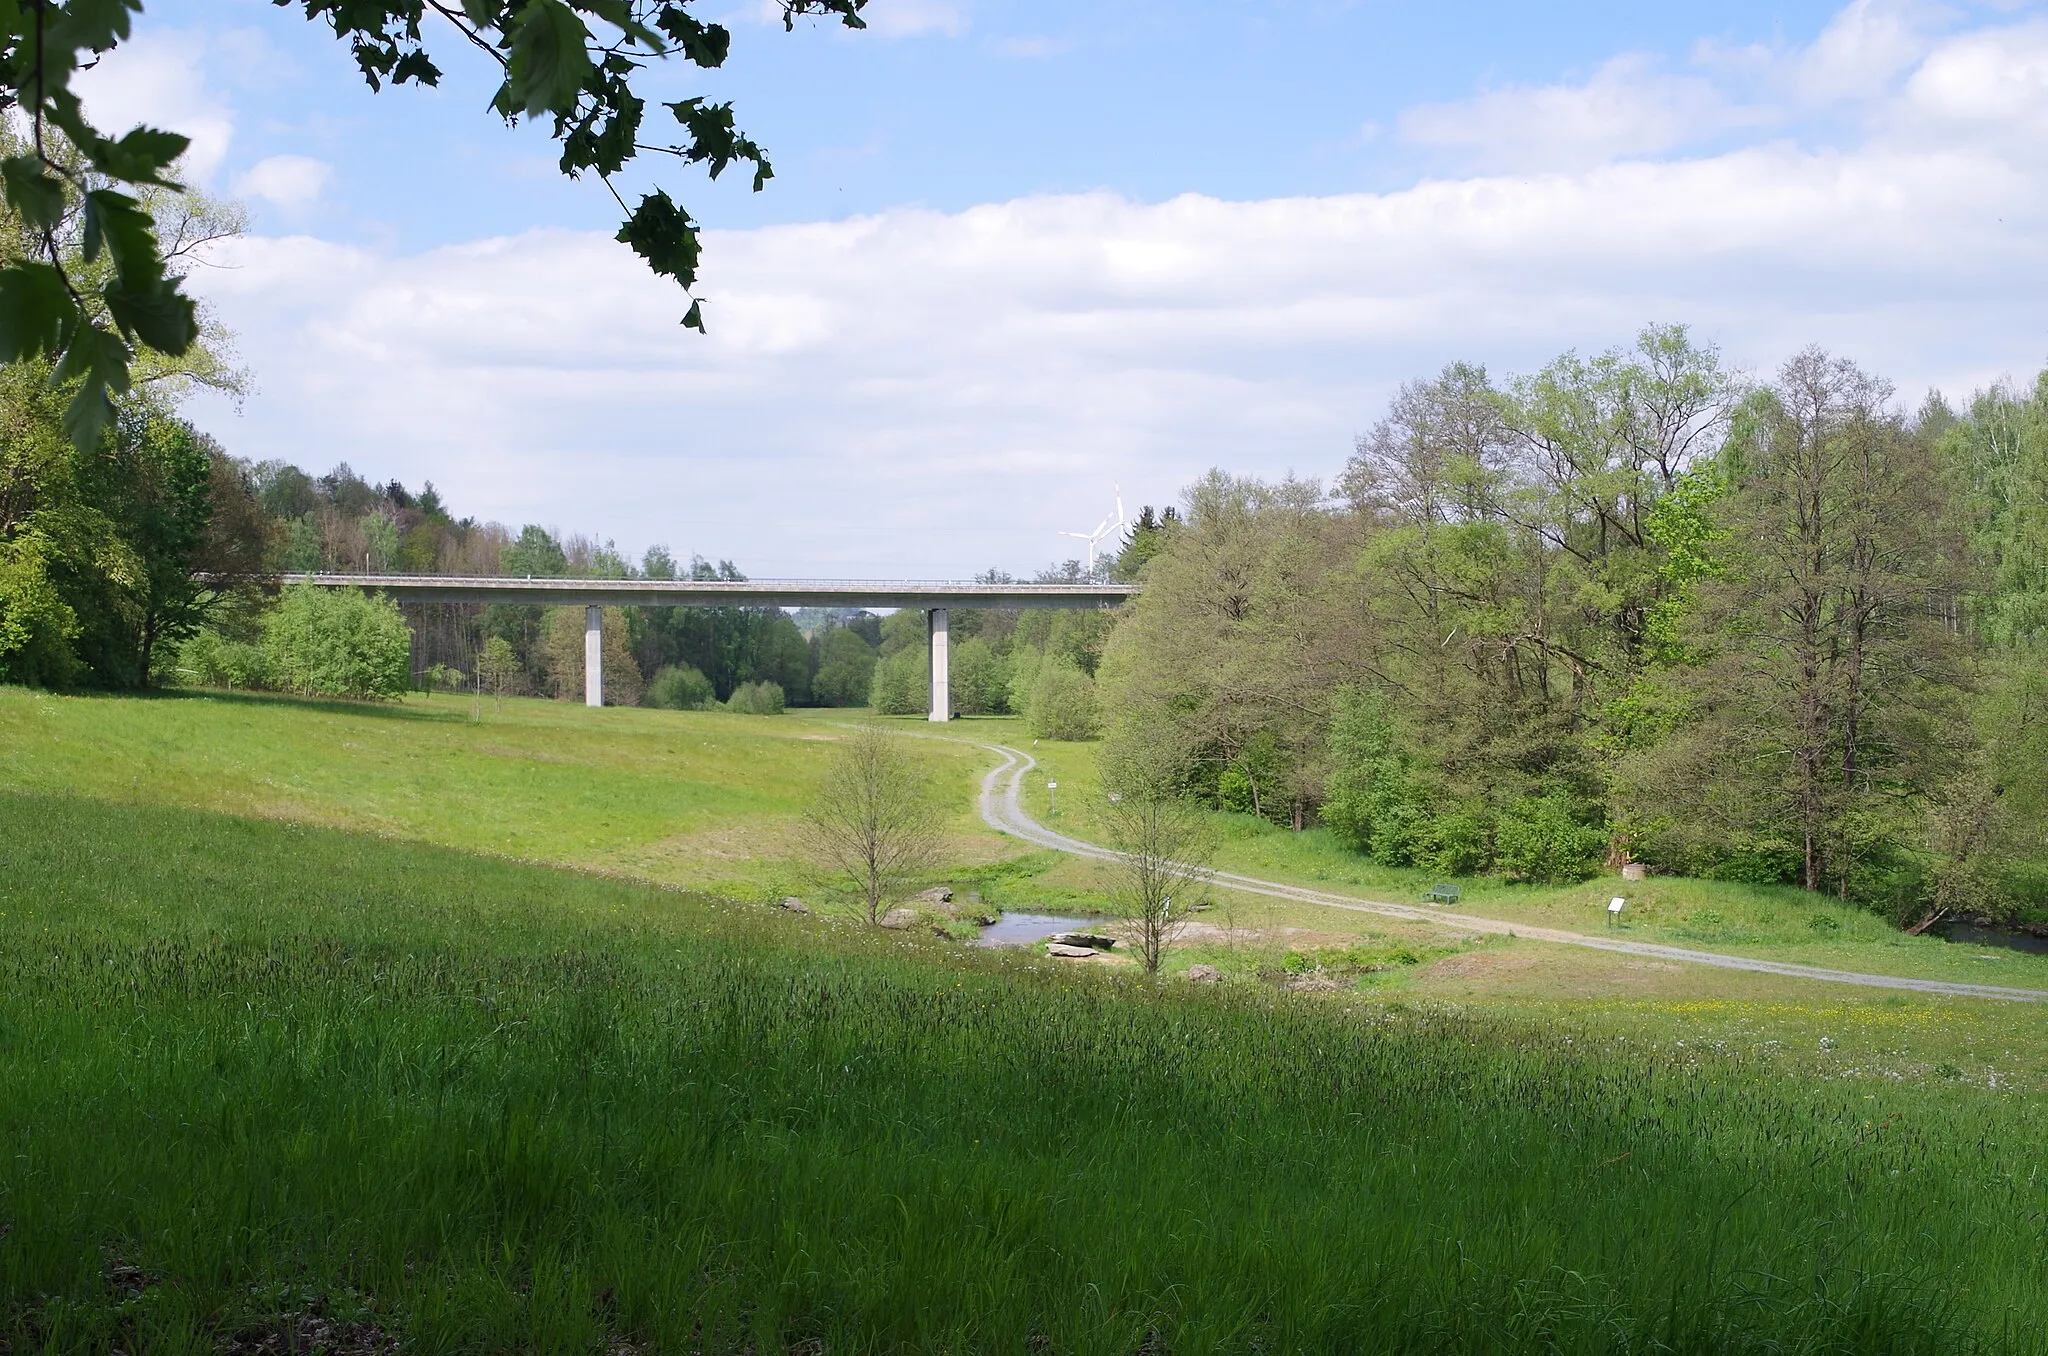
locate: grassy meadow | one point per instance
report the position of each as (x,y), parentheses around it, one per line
(318,1030)
(262,1081)
(703,798)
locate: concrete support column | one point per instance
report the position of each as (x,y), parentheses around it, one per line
(593,656)
(942,683)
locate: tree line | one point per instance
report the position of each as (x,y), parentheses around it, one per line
(1629,608)
(154,560)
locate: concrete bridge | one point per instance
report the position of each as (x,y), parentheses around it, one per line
(932,597)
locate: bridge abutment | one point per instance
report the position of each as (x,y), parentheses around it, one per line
(593,656)
(942,677)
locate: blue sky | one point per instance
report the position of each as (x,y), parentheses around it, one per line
(1017,253)
(948,104)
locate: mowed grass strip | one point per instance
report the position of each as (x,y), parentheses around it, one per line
(255,1074)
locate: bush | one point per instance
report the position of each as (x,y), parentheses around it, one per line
(1375,801)
(756,699)
(1251,784)
(979,679)
(209,659)
(902,684)
(681,687)
(36,625)
(1543,838)
(444,678)
(1456,844)
(846,669)
(337,643)
(1024,663)
(1379,809)
(1062,702)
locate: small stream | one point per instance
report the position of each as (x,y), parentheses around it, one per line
(1024,929)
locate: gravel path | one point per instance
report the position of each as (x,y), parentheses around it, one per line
(1003,810)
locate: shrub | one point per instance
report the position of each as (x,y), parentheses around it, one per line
(1024,663)
(1459,843)
(1062,702)
(681,687)
(979,679)
(444,678)
(337,643)
(902,684)
(1251,783)
(756,699)
(846,669)
(1373,802)
(209,659)
(36,625)
(1543,838)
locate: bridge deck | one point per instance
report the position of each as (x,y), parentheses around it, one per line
(924,594)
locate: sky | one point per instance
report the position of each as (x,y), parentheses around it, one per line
(1018,256)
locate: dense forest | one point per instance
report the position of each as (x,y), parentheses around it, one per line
(1629,608)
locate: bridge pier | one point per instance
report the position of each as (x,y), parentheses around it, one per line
(593,656)
(942,683)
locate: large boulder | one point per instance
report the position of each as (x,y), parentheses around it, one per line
(938,894)
(899,918)
(1204,974)
(1093,940)
(794,905)
(1066,951)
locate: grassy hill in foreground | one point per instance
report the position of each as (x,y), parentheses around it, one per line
(256,1078)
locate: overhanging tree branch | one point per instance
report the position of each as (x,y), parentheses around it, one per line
(552,66)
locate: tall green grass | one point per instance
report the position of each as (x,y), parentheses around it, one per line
(251,1071)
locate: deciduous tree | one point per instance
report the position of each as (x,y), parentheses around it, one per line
(872,825)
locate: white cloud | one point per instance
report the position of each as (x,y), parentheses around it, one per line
(928,394)
(1993,83)
(1034,49)
(159,77)
(1630,107)
(1865,48)
(904,18)
(291,182)
(1634,106)
(925,393)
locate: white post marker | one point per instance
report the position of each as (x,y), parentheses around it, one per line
(1614,908)
(1052,800)
(593,656)
(942,683)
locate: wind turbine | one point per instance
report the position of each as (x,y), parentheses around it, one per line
(1107,527)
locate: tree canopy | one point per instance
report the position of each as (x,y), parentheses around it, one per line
(1630,607)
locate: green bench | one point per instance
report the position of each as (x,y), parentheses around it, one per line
(1442,893)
